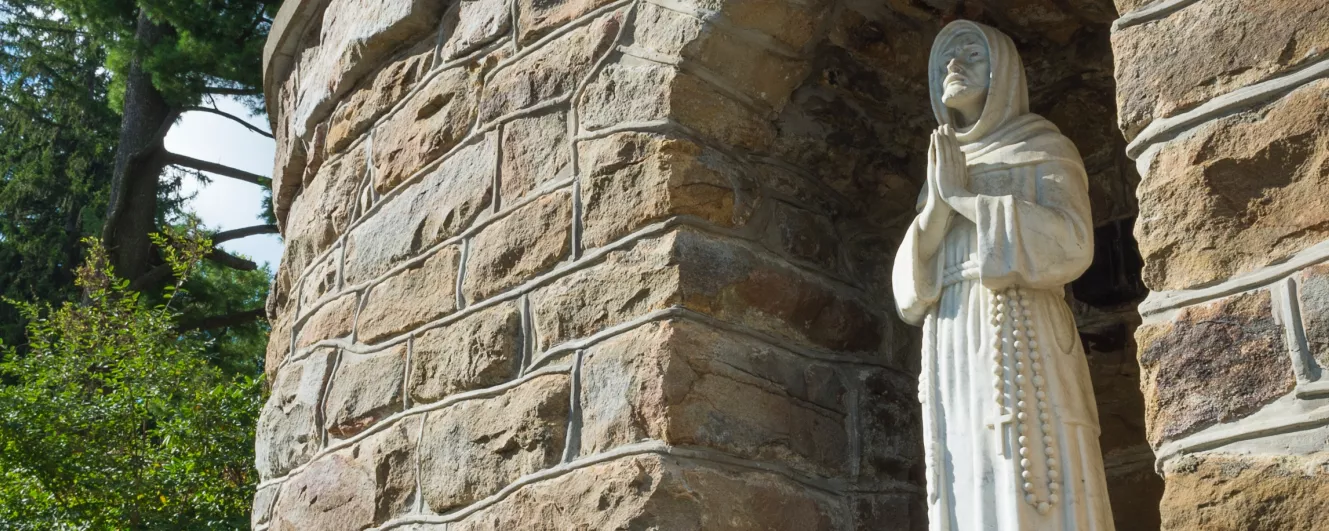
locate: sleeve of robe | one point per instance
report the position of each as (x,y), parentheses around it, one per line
(1043,244)
(916,273)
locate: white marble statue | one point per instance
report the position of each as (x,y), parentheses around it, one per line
(1009,421)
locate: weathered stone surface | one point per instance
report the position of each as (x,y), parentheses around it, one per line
(279,345)
(411,297)
(803,235)
(1222,492)
(288,164)
(425,213)
(518,247)
(690,385)
(1180,61)
(549,72)
(263,500)
(331,494)
(356,35)
(791,24)
(630,180)
(535,151)
(726,279)
(474,448)
(365,388)
(888,422)
(652,492)
(430,124)
(356,488)
(643,92)
(480,350)
(288,432)
(739,64)
(1214,363)
(320,280)
(1313,290)
(719,277)
(537,18)
(322,211)
(628,283)
(377,94)
(476,23)
(1240,193)
(903,512)
(334,319)
(1134,491)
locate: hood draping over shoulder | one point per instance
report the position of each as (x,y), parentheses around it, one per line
(1006,134)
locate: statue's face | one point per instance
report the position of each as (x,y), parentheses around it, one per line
(968,73)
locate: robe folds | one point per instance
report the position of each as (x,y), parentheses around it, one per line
(1011,435)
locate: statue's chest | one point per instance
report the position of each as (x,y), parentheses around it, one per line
(1019,182)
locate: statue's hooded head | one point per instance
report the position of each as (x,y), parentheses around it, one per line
(977,69)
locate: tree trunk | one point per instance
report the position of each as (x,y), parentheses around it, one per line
(132,211)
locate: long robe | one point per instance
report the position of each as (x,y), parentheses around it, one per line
(1030,235)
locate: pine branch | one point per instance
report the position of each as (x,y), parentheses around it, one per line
(228,91)
(231,261)
(243,232)
(232,117)
(214,322)
(176,159)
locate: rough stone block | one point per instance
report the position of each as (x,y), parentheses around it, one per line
(639,92)
(536,150)
(320,280)
(889,421)
(411,297)
(474,448)
(279,345)
(334,319)
(1239,193)
(1178,62)
(289,433)
(365,388)
(903,512)
(653,492)
(711,275)
(728,280)
(356,488)
(739,63)
(516,248)
(537,18)
(355,37)
(1223,492)
(263,500)
(431,123)
(1313,290)
(377,94)
(630,180)
(322,211)
(804,235)
(440,206)
(1213,363)
(476,23)
(794,24)
(288,164)
(551,71)
(628,283)
(690,385)
(480,350)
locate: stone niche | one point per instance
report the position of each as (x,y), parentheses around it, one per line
(625,263)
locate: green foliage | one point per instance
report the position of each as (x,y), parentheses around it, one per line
(58,137)
(113,419)
(202,43)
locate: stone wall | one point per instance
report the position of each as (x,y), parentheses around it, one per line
(1226,105)
(600,264)
(546,269)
